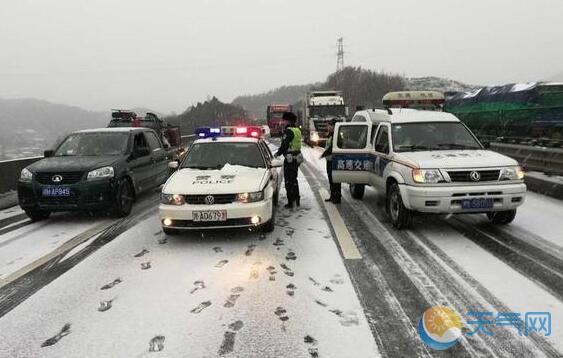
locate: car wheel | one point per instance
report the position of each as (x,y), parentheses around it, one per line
(169,231)
(270,225)
(357,191)
(276,197)
(400,216)
(502,217)
(124,199)
(37,215)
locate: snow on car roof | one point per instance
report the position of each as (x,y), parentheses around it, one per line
(404,115)
(112,130)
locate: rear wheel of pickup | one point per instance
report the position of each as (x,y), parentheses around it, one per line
(502,217)
(37,215)
(357,191)
(124,199)
(400,216)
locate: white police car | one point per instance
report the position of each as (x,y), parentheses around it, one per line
(425,161)
(228,178)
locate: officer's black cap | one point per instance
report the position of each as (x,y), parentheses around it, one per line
(289,116)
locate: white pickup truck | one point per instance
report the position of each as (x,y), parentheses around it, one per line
(425,161)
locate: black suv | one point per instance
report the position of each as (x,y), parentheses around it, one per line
(96,169)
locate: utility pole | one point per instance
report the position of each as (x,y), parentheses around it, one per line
(340,55)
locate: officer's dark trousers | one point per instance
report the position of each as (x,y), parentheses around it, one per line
(290,171)
(334,187)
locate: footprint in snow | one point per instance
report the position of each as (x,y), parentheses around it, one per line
(315,283)
(313,351)
(111,284)
(291,289)
(337,280)
(327,289)
(163,240)
(201,307)
(142,253)
(291,256)
(249,250)
(157,233)
(287,270)
(145,265)
(278,242)
(273,272)
(237,289)
(320,303)
(282,314)
(198,285)
(221,263)
(57,337)
(156,344)
(105,305)
(231,300)
(217,249)
(346,318)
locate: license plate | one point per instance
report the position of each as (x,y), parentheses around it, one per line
(210,215)
(477,204)
(56,191)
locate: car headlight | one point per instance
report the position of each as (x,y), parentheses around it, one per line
(427,176)
(512,173)
(26,175)
(101,173)
(250,197)
(172,199)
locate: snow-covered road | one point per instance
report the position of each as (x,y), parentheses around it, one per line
(127,290)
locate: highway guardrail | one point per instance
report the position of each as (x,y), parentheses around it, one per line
(536,158)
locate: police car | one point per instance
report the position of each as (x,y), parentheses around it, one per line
(425,161)
(228,179)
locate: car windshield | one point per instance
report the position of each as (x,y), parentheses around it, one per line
(410,137)
(93,144)
(215,155)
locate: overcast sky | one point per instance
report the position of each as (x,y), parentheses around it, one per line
(168,54)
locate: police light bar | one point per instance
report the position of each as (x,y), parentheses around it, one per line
(251,131)
(207,132)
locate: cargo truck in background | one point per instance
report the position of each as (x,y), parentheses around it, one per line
(274,117)
(320,107)
(170,136)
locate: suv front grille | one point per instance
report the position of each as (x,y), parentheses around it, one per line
(67,178)
(464,176)
(217,199)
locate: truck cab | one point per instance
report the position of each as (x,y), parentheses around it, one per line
(426,162)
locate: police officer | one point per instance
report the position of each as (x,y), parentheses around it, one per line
(291,149)
(335,188)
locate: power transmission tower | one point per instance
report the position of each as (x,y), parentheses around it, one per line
(340,55)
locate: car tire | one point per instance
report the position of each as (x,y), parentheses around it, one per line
(357,191)
(276,198)
(168,231)
(124,199)
(502,217)
(37,215)
(400,216)
(271,224)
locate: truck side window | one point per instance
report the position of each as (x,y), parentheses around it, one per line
(352,137)
(382,141)
(154,142)
(140,142)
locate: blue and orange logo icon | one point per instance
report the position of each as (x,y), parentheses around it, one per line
(440,327)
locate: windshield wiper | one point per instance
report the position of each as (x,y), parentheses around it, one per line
(412,147)
(456,146)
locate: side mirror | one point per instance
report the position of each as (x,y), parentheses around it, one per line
(173,165)
(48,153)
(276,163)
